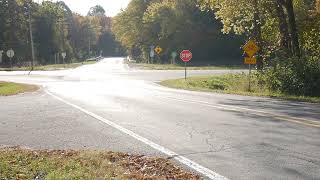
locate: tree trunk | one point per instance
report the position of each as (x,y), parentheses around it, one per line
(11,21)
(283,27)
(257,32)
(293,28)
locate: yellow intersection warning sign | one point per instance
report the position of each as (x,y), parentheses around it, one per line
(158,50)
(250,60)
(251,48)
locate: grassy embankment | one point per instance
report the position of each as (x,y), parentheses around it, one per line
(232,84)
(16,163)
(145,66)
(8,88)
(51,67)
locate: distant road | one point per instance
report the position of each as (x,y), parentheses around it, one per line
(109,105)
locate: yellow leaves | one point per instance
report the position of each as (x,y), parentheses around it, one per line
(20,2)
(21,177)
(236,16)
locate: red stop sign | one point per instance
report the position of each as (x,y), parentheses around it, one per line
(186,55)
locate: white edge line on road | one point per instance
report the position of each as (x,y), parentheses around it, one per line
(197,167)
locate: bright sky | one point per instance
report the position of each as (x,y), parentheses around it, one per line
(82,7)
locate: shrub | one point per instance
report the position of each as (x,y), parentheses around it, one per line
(293,76)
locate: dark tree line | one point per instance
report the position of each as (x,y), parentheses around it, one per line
(56,29)
(287,31)
(175,25)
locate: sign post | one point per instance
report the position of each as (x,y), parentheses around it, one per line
(10,54)
(64,55)
(158,50)
(185,56)
(250,61)
(250,49)
(151,53)
(1,52)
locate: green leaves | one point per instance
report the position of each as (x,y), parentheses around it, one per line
(56,29)
(174,25)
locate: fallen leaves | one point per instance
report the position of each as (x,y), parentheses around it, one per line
(42,163)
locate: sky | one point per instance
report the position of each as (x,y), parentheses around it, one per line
(82,7)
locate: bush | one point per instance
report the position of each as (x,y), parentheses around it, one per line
(217,84)
(293,77)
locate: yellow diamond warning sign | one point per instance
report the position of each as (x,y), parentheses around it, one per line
(158,50)
(251,48)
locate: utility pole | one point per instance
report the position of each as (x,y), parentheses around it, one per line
(31,39)
(89,46)
(89,37)
(12,16)
(62,32)
(61,27)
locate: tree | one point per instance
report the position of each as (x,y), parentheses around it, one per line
(293,62)
(50,37)
(96,11)
(128,27)
(174,25)
(240,17)
(56,29)
(293,27)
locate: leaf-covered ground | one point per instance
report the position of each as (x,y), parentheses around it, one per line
(17,163)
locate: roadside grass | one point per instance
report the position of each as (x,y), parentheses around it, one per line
(145,66)
(8,88)
(50,67)
(232,84)
(17,163)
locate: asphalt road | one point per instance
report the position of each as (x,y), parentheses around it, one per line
(110,106)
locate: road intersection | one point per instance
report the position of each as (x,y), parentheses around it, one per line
(110,106)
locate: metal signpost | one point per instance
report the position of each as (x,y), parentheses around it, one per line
(151,53)
(185,56)
(64,55)
(1,52)
(10,54)
(250,49)
(158,50)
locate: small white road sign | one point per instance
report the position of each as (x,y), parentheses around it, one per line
(152,54)
(10,53)
(64,55)
(1,52)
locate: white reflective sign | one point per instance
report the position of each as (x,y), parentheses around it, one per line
(64,55)
(10,53)
(1,52)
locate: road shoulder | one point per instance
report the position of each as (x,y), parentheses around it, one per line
(235,85)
